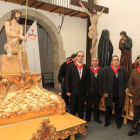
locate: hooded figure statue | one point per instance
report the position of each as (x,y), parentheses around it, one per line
(105,49)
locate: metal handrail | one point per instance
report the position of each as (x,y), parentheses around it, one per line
(46,73)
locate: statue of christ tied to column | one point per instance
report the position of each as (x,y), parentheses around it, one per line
(14,33)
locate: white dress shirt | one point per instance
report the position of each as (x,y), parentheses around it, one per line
(80,71)
(115,73)
(96,73)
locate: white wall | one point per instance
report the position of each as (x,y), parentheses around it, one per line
(73,32)
(123,15)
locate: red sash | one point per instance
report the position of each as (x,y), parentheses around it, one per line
(79,67)
(95,71)
(115,70)
(139,70)
(69,61)
(135,65)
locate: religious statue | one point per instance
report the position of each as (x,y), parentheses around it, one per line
(93,33)
(125,45)
(105,49)
(14,33)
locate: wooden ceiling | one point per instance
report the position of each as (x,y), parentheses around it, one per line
(49,7)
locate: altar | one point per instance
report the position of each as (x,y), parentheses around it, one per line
(56,127)
(25,105)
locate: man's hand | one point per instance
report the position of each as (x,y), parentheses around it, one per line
(80,2)
(23,38)
(106,95)
(69,94)
(122,41)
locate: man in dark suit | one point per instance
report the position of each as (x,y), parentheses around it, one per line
(77,84)
(61,77)
(96,90)
(115,83)
(134,87)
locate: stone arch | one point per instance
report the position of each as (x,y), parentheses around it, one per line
(49,26)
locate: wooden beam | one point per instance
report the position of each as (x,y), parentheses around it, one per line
(33,3)
(86,4)
(49,7)
(23,3)
(85,16)
(75,14)
(55,9)
(90,5)
(99,8)
(70,12)
(40,5)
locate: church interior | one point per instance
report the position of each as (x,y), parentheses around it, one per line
(69,69)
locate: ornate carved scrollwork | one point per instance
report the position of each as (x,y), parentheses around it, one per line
(45,132)
(72,131)
(48,132)
(21,95)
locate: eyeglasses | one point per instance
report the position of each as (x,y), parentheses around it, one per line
(80,56)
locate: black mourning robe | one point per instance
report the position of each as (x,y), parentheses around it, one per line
(105,49)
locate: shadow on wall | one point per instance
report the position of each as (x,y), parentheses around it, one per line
(2,41)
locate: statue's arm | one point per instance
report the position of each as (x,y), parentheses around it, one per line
(128,44)
(8,32)
(120,45)
(21,30)
(101,12)
(85,9)
(21,34)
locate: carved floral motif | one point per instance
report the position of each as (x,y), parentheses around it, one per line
(45,132)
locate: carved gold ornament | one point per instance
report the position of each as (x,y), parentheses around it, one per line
(48,132)
(45,132)
(24,94)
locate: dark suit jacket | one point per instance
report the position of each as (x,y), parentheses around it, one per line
(100,82)
(62,73)
(134,86)
(108,85)
(74,84)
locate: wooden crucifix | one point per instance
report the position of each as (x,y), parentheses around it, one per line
(91,9)
(90,5)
